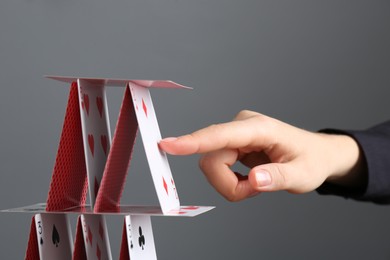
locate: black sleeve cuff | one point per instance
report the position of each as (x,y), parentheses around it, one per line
(375,146)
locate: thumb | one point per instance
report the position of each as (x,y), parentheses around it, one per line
(270,177)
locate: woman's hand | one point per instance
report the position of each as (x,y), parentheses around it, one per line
(280,156)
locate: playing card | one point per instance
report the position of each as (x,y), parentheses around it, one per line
(54,236)
(96,241)
(68,187)
(188,211)
(32,251)
(79,246)
(95,131)
(124,253)
(157,159)
(117,165)
(140,239)
(183,211)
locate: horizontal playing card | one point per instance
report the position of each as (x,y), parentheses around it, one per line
(122,82)
(183,211)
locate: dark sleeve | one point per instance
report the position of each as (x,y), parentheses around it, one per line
(375,146)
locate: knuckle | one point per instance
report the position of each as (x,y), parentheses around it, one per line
(245,113)
(214,128)
(202,162)
(207,166)
(231,197)
(281,180)
(205,163)
(266,125)
(262,119)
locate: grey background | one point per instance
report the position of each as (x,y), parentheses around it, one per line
(313,64)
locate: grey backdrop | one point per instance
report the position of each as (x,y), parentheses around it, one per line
(312,63)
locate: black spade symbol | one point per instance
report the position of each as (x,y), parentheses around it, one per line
(55,236)
(41,241)
(141,239)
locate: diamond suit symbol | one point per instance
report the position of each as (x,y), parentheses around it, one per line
(144,107)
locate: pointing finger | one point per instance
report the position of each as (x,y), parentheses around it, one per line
(252,132)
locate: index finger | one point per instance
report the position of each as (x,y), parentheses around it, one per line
(232,135)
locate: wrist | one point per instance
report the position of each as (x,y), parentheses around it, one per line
(346,161)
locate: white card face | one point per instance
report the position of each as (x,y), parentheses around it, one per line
(96,133)
(140,237)
(157,159)
(96,241)
(54,236)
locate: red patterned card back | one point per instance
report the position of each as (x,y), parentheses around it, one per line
(69,184)
(124,253)
(79,246)
(32,252)
(115,172)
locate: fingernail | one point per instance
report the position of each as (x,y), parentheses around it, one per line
(263,178)
(169,139)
